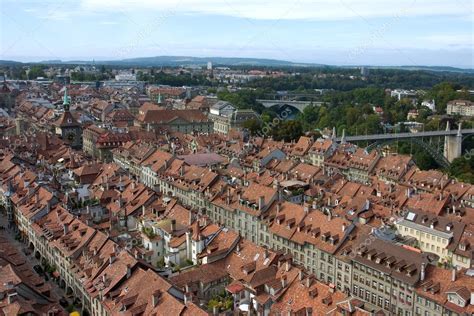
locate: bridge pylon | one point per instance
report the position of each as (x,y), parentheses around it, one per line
(453,144)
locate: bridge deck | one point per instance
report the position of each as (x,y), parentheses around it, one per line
(404,135)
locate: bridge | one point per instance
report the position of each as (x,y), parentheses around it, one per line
(452,141)
(399,136)
(299,105)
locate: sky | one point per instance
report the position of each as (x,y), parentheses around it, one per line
(334,32)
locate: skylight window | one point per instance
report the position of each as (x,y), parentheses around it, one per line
(411,216)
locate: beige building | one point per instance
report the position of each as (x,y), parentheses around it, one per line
(460,107)
(434,234)
(226,117)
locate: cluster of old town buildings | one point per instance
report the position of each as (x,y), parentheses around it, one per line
(139,208)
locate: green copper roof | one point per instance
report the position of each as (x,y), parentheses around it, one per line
(66,98)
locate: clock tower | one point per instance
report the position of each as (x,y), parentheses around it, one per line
(67,127)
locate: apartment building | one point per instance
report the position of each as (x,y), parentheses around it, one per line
(460,107)
(435,234)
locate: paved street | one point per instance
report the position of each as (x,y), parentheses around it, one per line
(56,291)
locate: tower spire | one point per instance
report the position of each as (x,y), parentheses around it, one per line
(66,100)
(159,98)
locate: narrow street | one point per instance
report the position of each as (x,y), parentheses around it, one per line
(56,292)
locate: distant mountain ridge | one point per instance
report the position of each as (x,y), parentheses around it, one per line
(187,61)
(158,61)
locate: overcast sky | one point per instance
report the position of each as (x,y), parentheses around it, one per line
(339,32)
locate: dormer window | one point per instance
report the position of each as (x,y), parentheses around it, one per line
(334,239)
(325,236)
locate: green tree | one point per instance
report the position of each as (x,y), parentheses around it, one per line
(287,130)
(253,125)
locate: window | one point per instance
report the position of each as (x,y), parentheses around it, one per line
(380,303)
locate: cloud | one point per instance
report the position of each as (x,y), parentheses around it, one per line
(108,22)
(453,40)
(290,9)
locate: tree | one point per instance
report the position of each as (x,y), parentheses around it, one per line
(36,71)
(253,125)
(287,130)
(462,168)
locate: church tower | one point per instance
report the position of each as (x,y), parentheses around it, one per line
(67,127)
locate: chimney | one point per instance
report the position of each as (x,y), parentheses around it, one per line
(283,281)
(187,298)
(112,258)
(422,273)
(181,171)
(173,225)
(95,251)
(306,208)
(143,210)
(329,215)
(261,202)
(119,202)
(308,282)
(265,253)
(343,227)
(300,275)
(65,228)
(11,297)
(156,298)
(278,207)
(453,274)
(287,266)
(190,219)
(104,277)
(129,271)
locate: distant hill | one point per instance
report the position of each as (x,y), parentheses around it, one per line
(173,61)
(9,62)
(201,61)
(433,68)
